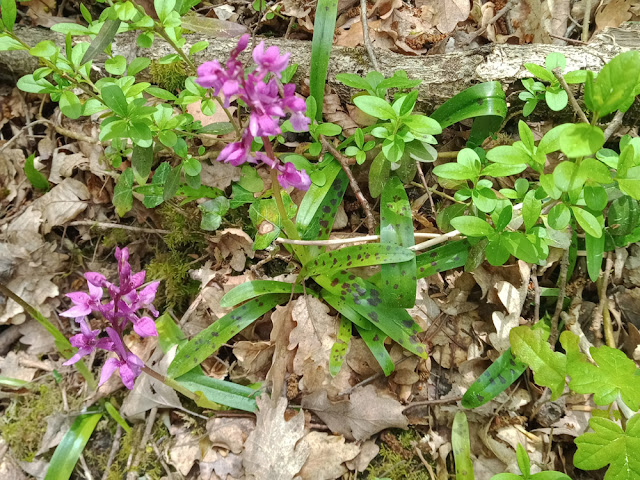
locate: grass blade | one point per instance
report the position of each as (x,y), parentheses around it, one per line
(321,44)
(67,453)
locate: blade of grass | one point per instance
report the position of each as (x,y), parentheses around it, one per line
(323,28)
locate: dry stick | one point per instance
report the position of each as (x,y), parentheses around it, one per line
(564,268)
(603,309)
(498,16)
(89,223)
(572,99)
(568,40)
(425,463)
(365,34)
(615,124)
(439,401)
(585,21)
(423,179)
(112,454)
(371,223)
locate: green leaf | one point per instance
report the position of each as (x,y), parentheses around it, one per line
(116,65)
(104,38)
(217,391)
(595,197)
(496,252)
(496,379)
(396,230)
(212,212)
(44,49)
(113,98)
(442,258)
(472,226)
(555,60)
(541,72)
(247,291)
(508,155)
(485,102)
(559,217)
(339,348)
(378,175)
(587,221)
(165,95)
(115,414)
(556,99)
(265,217)
(354,81)
(461,446)
(577,76)
(328,129)
(484,199)
(321,44)
(198,47)
(356,256)
(422,125)
(141,161)
(209,340)
(37,179)
(123,192)
(454,171)
(531,209)
(581,140)
(623,215)
(9,13)
(615,85)
(70,105)
(549,367)
(172,183)
(70,448)
(137,65)
(610,445)
(375,106)
(595,250)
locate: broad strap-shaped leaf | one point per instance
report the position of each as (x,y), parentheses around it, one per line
(339,348)
(213,337)
(70,448)
(485,100)
(531,347)
(104,38)
(396,228)
(342,306)
(213,391)
(494,380)
(461,447)
(256,288)
(443,258)
(356,256)
(374,338)
(610,445)
(319,206)
(365,298)
(321,44)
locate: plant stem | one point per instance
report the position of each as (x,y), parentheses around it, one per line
(232,120)
(614,125)
(564,268)
(572,99)
(171,383)
(585,21)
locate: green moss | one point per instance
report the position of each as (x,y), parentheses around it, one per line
(116,237)
(399,462)
(24,422)
(177,288)
(170,76)
(184,228)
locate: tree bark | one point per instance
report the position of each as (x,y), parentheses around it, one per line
(442,75)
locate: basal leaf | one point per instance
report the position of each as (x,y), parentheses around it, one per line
(123,192)
(549,367)
(461,447)
(495,380)
(374,339)
(443,258)
(323,30)
(247,291)
(595,250)
(218,391)
(220,332)
(396,228)
(356,256)
(37,179)
(339,348)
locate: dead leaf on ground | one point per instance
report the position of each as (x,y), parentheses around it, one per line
(364,414)
(220,465)
(230,433)
(37,338)
(613,14)
(327,456)
(272,450)
(447,13)
(184,450)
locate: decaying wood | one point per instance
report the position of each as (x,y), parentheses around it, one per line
(442,75)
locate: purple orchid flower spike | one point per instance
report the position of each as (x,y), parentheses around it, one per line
(270,60)
(83,303)
(86,342)
(128,364)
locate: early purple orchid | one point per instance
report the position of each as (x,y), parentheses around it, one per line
(267,105)
(127,300)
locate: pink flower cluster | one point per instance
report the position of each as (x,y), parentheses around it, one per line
(128,298)
(266,105)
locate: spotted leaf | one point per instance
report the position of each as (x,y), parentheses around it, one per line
(339,348)
(256,288)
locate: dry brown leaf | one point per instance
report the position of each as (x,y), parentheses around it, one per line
(366,413)
(272,450)
(219,175)
(229,433)
(184,450)
(254,360)
(220,465)
(64,161)
(613,14)
(446,14)
(327,455)
(10,366)
(368,451)
(282,357)
(37,338)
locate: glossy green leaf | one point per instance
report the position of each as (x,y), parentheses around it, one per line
(123,192)
(220,332)
(496,379)
(340,346)
(485,100)
(169,333)
(595,249)
(104,38)
(172,183)
(70,448)
(248,290)
(113,98)
(375,106)
(321,44)
(508,155)
(615,85)
(365,298)
(37,179)
(442,258)
(623,215)
(374,339)
(9,13)
(218,391)
(396,229)
(141,162)
(378,174)
(115,414)
(581,139)
(587,221)
(461,446)
(472,226)
(12,382)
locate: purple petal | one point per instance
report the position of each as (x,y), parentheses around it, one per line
(127,375)
(95,293)
(145,327)
(117,346)
(78,355)
(77,311)
(137,279)
(96,279)
(110,366)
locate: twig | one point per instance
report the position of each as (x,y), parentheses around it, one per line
(151,419)
(439,401)
(614,125)
(112,454)
(602,313)
(131,228)
(22,130)
(371,223)
(425,463)
(426,186)
(365,34)
(497,16)
(564,268)
(340,241)
(568,40)
(159,455)
(585,21)
(85,468)
(572,99)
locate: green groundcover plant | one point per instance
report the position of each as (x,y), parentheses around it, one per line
(587,201)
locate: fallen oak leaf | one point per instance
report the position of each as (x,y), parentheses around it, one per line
(363,415)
